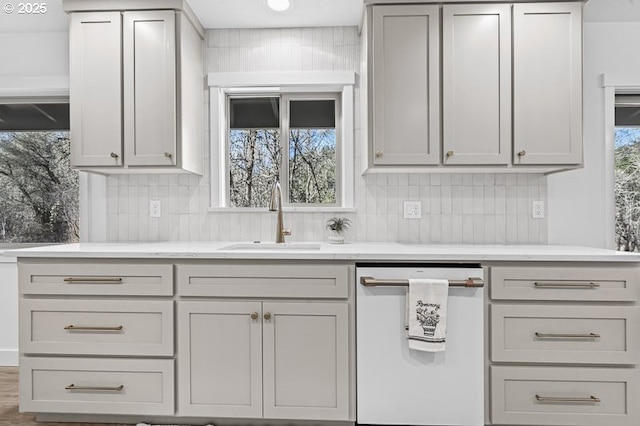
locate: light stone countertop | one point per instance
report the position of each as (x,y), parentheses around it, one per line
(323,251)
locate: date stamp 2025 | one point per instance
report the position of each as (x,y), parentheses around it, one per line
(25,8)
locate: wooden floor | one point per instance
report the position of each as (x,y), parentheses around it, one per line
(9,403)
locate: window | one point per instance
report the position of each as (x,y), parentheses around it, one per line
(39,197)
(291,138)
(627,172)
(292,126)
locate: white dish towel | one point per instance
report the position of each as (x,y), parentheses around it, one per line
(427,314)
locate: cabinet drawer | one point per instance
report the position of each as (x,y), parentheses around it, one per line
(117,279)
(92,327)
(268,280)
(100,386)
(572,334)
(613,282)
(545,396)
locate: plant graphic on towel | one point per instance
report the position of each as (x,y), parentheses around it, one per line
(428,316)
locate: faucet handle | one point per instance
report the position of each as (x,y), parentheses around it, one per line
(286,232)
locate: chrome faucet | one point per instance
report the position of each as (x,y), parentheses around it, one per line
(276,197)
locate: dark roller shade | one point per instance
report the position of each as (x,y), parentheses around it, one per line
(627,110)
(318,114)
(254,113)
(34,117)
(628,116)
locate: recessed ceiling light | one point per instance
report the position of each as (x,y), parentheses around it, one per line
(279,5)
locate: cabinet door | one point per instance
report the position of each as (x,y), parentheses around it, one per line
(220,359)
(405,85)
(476,82)
(95,89)
(306,360)
(149,40)
(547,83)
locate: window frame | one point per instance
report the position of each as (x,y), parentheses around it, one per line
(612,84)
(285,85)
(60,95)
(285,101)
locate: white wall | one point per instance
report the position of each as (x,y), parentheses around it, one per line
(578,200)
(35,52)
(8,312)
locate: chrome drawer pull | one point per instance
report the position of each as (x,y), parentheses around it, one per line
(566,285)
(591,399)
(95,388)
(567,335)
(92,280)
(72,327)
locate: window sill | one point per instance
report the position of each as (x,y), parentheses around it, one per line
(285,209)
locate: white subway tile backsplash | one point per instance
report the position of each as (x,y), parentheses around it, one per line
(467,200)
(456,228)
(479,208)
(123,199)
(446,235)
(456,199)
(435,228)
(467,229)
(442,193)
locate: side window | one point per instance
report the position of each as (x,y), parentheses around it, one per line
(292,138)
(312,151)
(39,196)
(254,150)
(627,170)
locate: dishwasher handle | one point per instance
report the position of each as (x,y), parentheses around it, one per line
(373,282)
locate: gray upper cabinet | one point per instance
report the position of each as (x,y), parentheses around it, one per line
(149,87)
(253,359)
(547,83)
(508,95)
(136,95)
(95,89)
(476,84)
(405,96)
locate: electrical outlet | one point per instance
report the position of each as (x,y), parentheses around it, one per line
(412,209)
(537,209)
(155,209)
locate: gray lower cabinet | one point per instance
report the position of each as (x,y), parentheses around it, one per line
(565,396)
(97,385)
(96,337)
(564,344)
(263,359)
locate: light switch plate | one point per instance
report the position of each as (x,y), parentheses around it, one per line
(537,209)
(155,208)
(412,209)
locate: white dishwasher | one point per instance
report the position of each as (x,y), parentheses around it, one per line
(398,386)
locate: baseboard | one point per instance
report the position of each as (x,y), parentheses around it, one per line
(94,418)
(8,358)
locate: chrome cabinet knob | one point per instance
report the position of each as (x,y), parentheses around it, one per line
(449,154)
(168,154)
(254,316)
(114,155)
(522,153)
(378,154)
(267,316)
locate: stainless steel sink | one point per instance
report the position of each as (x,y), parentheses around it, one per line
(272,246)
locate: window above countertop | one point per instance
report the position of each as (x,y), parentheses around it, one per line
(224,85)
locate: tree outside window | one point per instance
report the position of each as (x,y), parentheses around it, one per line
(308,173)
(627,169)
(38,187)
